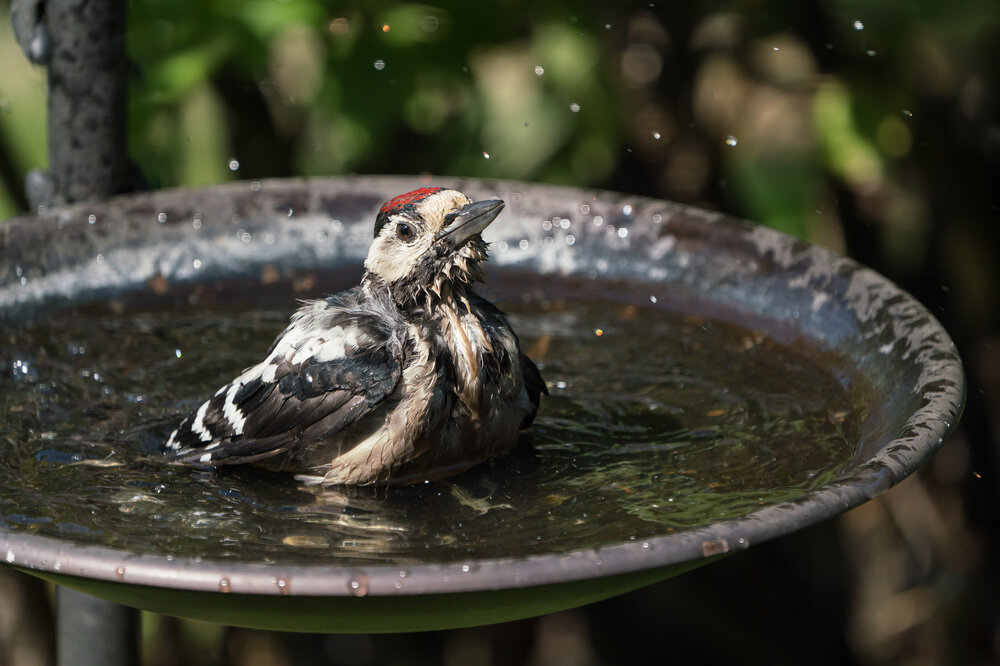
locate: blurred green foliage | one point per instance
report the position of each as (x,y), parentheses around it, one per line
(313,88)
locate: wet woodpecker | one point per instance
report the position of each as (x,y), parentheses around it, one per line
(409,376)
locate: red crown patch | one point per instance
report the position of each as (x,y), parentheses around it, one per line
(408,198)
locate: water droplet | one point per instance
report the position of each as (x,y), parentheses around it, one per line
(598,220)
(224,586)
(627,209)
(598,332)
(574,107)
(775,48)
(283,586)
(385,27)
(622,232)
(871,52)
(546,225)
(486,155)
(196,263)
(731,141)
(657,218)
(379,65)
(465,568)
(10,556)
(234,164)
(564,224)
(539,70)
(585,209)
(358,585)
(120,573)
(657,135)
(570,239)
(858,25)
(91,219)
(403,573)
(430,23)
(607,26)
(652,299)
(523,244)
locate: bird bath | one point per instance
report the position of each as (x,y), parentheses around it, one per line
(714,384)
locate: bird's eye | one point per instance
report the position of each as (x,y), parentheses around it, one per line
(404,232)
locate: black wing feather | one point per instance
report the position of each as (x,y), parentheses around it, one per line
(310,400)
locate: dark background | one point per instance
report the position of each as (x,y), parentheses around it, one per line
(871,128)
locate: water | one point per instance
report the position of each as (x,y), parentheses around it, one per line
(655,423)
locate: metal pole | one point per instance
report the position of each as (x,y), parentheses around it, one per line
(95,632)
(83,44)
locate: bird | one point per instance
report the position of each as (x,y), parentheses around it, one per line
(409,376)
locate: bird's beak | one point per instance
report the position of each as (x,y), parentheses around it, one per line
(471,220)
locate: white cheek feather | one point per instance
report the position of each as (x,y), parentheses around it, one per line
(392,259)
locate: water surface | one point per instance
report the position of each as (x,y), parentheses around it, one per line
(656,423)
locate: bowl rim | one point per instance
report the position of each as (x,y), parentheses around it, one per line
(941,385)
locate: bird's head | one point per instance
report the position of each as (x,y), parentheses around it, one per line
(427,243)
